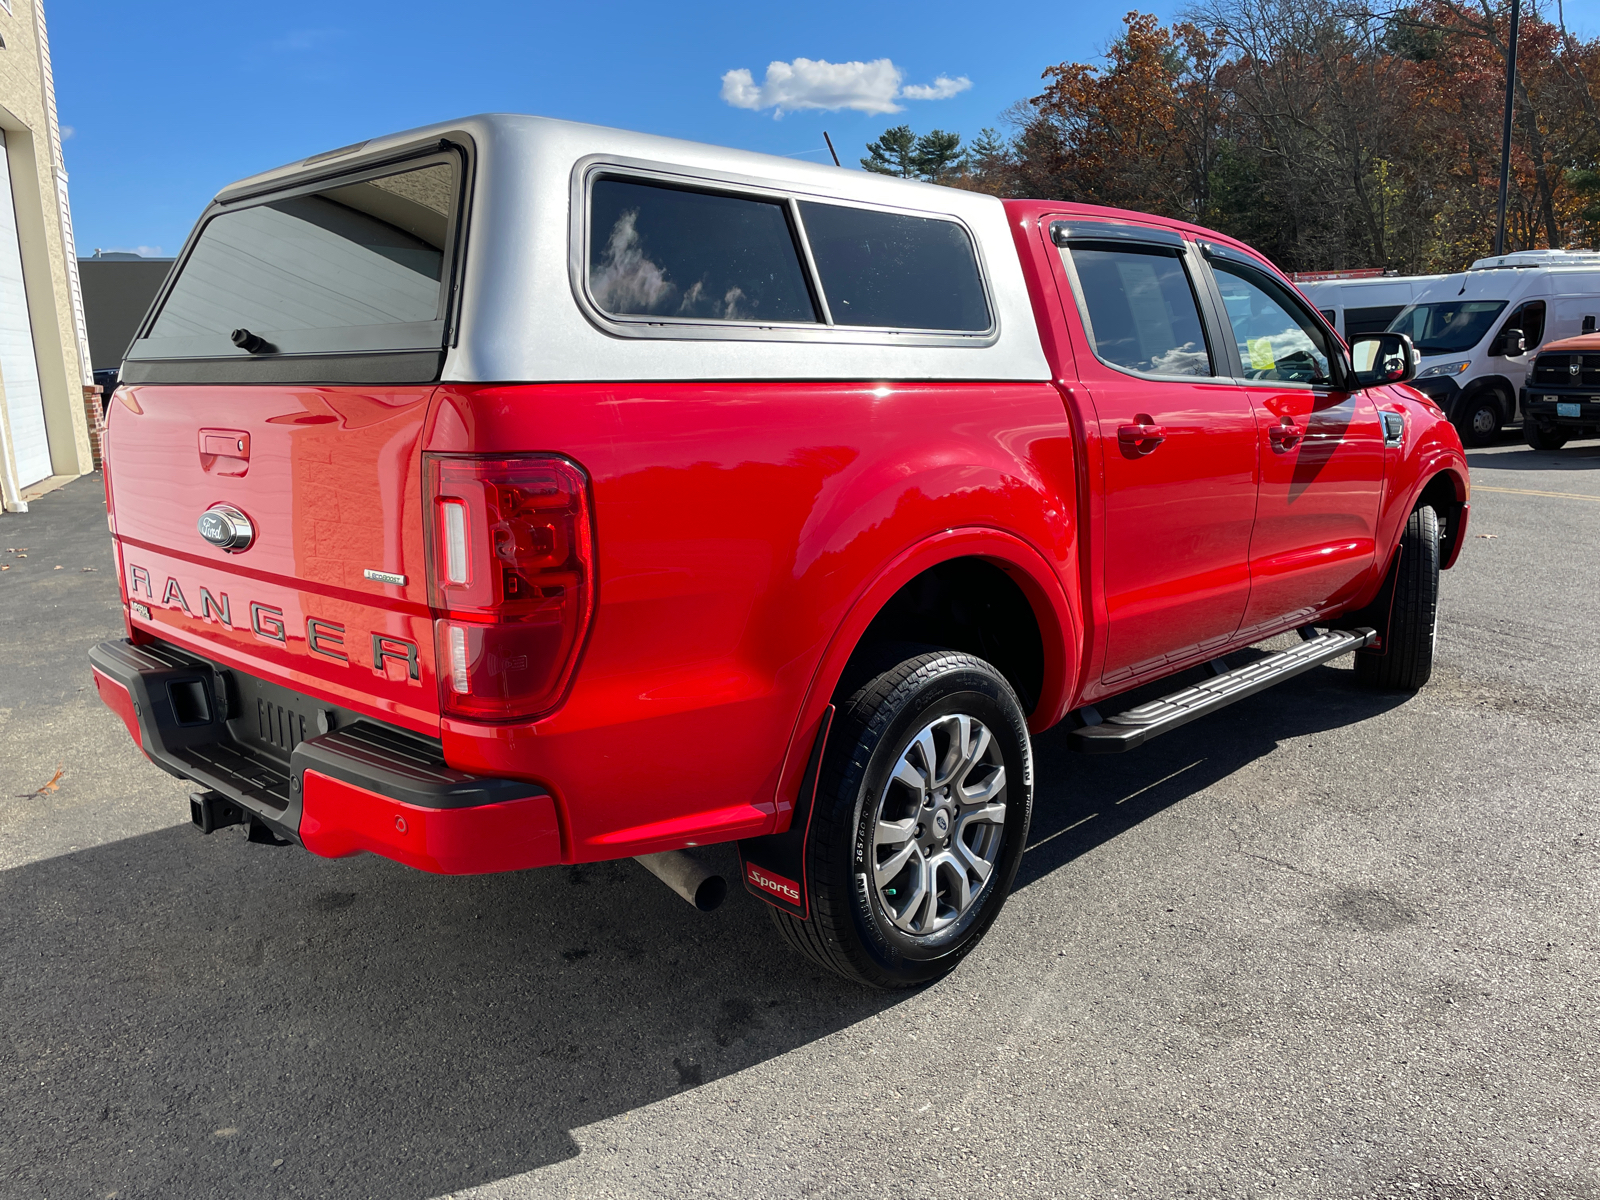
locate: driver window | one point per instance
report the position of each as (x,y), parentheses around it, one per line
(1278,340)
(1530,319)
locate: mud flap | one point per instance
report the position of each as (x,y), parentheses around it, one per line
(1377,614)
(774,866)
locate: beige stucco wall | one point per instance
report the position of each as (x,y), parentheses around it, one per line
(44,231)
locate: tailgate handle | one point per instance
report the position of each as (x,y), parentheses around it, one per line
(225,443)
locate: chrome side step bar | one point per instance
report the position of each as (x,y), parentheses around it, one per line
(1138,725)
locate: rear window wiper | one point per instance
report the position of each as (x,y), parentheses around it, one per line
(252,342)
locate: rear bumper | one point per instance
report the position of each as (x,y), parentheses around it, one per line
(360,786)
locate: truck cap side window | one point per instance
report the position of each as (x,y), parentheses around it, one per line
(353,267)
(891,270)
(1278,340)
(1139,309)
(658,251)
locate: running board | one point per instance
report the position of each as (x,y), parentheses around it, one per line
(1138,725)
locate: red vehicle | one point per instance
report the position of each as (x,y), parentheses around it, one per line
(513,492)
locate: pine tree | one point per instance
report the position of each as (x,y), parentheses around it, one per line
(895,153)
(938,154)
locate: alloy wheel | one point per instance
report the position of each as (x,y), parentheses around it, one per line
(939,824)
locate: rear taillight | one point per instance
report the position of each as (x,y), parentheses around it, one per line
(510,579)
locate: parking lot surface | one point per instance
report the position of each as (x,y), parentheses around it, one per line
(1326,944)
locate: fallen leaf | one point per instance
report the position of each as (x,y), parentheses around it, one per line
(1488,535)
(5,566)
(57,567)
(91,568)
(52,786)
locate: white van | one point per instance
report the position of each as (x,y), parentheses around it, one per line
(1355,306)
(1464,325)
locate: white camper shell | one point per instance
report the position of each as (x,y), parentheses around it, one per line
(1459,323)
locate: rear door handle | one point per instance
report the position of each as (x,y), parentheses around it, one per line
(1142,437)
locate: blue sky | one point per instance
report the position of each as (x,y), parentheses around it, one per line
(169,101)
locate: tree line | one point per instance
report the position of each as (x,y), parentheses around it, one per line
(1330,134)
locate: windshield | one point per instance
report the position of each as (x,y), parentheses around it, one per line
(1448,328)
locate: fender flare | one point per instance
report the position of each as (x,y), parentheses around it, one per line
(1024,564)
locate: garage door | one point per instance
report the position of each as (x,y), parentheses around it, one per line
(19,370)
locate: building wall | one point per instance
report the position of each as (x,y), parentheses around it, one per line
(44,229)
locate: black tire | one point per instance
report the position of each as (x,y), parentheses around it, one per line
(1406,661)
(1543,437)
(852,930)
(1478,418)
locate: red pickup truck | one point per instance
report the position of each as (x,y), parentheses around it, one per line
(513,492)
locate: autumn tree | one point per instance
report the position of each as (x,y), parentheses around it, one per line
(1329,133)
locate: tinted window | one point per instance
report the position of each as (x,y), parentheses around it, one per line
(1277,338)
(1530,319)
(1369,320)
(1141,311)
(1449,328)
(366,254)
(665,252)
(884,269)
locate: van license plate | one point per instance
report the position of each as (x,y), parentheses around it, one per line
(1569,410)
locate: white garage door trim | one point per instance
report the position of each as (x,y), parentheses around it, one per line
(19,369)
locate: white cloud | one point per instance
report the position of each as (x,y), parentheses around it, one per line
(941,88)
(867,87)
(67,131)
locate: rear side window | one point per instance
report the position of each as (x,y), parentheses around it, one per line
(1530,319)
(659,251)
(359,266)
(890,270)
(1374,319)
(1140,310)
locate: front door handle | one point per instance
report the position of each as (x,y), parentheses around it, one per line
(1285,435)
(1141,437)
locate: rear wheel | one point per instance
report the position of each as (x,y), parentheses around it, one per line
(920,821)
(1478,417)
(1406,661)
(1543,437)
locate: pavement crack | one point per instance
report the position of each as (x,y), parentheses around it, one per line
(1278,862)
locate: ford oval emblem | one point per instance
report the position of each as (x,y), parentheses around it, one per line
(226,528)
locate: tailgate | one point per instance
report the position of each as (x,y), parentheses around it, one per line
(329,480)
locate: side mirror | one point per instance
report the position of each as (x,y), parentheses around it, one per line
(1509,344)
(1588,324)
(1383,358)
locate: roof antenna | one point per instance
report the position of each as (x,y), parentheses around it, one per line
(831,150)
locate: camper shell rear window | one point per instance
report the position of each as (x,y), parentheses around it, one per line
(348,280)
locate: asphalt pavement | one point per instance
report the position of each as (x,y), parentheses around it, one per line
(1325,945)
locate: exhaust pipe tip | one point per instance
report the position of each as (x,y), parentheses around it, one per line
(688,877)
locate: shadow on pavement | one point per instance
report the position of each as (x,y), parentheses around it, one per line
(181,1013)
(191,1016)
(1572,456)
(1082,801)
